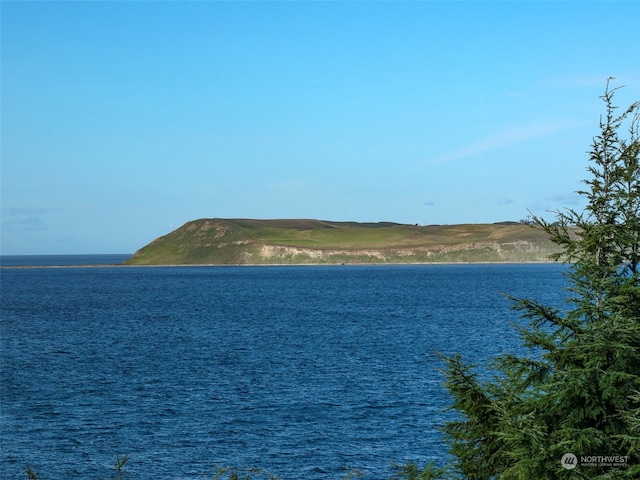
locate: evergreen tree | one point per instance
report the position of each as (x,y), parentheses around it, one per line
(578,390)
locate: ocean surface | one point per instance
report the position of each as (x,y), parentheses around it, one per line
(300,371)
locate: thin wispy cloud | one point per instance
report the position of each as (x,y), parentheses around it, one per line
(559,201)
(25,218)
(572,198)
(505,137)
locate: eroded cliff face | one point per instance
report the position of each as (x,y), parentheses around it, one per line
(516,252)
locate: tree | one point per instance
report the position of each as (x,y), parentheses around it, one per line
(578,390)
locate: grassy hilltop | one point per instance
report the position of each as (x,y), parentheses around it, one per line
(217,241)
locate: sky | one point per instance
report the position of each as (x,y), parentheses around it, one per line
(121,121)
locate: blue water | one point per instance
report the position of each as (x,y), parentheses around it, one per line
(296,370)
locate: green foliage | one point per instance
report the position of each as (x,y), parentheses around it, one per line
(352,473)
(221,473)
(121,473)
(578,389)
(230,473)
(411,471)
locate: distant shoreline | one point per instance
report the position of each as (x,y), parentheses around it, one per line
(57,260)
(213,265)
(219,241)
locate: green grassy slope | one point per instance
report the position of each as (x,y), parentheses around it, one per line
(247,241)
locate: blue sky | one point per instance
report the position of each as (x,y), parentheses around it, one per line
(123,120)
